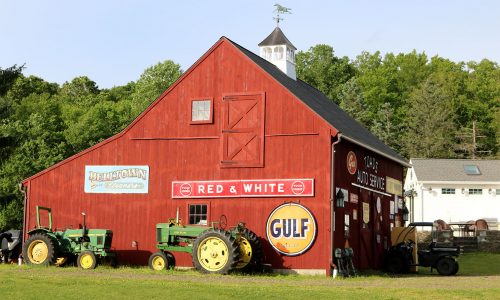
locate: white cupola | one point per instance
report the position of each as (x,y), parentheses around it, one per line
(277,49)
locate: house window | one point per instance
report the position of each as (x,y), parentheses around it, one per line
(198,214)
(497,191)
(472,170)
(447,191)
(201,111)
(475,191)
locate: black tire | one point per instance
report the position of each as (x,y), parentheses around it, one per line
(250,261)
(39,249)
(170,259)
(158,261)
(397,264)
(455,271)
(446,266)
(86,260)
(215,251)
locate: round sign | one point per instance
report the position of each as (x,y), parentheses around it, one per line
(352,163)
(186,189)
(298,187)
(291,229)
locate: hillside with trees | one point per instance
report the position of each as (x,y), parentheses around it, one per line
(420,106)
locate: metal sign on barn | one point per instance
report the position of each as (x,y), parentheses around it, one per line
(116,179)
(243,188)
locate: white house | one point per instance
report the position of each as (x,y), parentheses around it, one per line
(454,190)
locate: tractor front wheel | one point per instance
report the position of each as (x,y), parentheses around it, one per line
(446,266)
(215,251)
(87,260)
(39,249)
(158,261)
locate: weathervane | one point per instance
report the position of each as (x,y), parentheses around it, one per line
(280,10)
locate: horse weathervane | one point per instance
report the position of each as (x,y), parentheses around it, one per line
(280,10)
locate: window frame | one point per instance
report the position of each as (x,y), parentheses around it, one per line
(475,191)
(448,191)
(211,119)
(188,214)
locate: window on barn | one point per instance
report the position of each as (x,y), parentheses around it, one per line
(268,53)
(278,53)
(198,214)
(202,111)
(448,191)
(475,191)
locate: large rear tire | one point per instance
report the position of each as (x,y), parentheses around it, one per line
(215,251)
(39,249)
(250,251)
(446,266)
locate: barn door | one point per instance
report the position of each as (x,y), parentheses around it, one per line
(366,230)
(243,130)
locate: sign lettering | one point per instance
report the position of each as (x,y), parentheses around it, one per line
(243,188)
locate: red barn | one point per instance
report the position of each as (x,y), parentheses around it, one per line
(236,137)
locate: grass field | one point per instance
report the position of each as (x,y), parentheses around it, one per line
(478,278)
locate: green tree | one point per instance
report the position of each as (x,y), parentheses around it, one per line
(153,82)
(430,130)
(320,68)
(8,77)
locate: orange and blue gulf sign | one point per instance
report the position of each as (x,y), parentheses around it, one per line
(291,229)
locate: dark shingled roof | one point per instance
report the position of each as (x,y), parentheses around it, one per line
(277,37)
(327,109)
(453,170)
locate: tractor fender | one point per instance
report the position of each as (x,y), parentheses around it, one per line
(42,230)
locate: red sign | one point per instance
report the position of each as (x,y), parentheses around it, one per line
(352,163)
(243,188)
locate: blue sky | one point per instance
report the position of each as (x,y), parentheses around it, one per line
(113,41)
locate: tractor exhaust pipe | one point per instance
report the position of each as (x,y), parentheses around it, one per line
(84,224)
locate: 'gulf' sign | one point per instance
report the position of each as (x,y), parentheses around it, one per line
(291,229)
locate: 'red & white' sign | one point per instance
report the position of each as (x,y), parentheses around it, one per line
(243,188)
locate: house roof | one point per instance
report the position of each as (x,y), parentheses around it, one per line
(453,170)
(351,129)
(277,37)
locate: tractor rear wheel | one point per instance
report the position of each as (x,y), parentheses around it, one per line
(250,251)
(446,266)
(215,251)
(87,260)
(158,261)
(39,249)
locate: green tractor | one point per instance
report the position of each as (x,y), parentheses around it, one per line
(214,250)
(47,247)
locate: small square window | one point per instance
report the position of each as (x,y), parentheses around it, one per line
(475,191)
(198,214)
(447,191)
(202,111)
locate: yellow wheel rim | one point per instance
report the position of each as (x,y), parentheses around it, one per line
(245,253)
(213,254)
(86,261)
(38,251)
(158,263)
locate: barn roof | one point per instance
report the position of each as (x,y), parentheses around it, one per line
(458,170)
(277,37)
(351,129)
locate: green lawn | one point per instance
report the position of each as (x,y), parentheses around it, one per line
(478,278)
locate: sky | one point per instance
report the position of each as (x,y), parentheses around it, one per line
(113,41)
